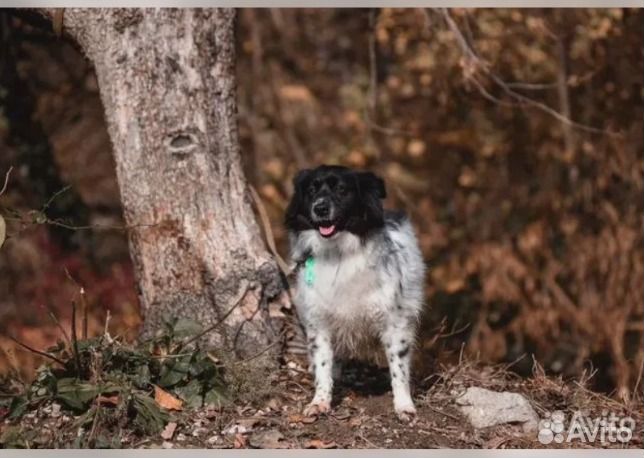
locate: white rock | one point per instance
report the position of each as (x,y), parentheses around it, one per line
(236,429)
(169,430)
(485,408)
(199,431)
(55,410)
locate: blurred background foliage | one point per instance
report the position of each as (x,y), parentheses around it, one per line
(512,137)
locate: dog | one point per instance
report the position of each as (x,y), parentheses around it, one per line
(360,281)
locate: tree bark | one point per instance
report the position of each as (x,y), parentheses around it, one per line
(167,82)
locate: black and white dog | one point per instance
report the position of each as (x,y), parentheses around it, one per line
(361,279)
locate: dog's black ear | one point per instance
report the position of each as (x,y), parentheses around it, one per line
(372,191)
(299,179)
(293,217)
(372,183)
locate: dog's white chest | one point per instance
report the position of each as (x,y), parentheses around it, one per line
(340,286)
(344,292)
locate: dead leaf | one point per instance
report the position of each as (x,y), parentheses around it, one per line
(357,159)
(416,148)
(244,409)
(341,415)
(268,439)
(159,350)
(248,423)
(273,404)
(496,442)
(240,441)
(168,431)
(108,400)
(295,418)
(296,93)
(355,422)
(467,178)
(317,443)
(454,285)
(211,414)
(166,400)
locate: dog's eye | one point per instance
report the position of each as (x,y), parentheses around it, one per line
(341,190)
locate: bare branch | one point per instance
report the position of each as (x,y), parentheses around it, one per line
(373,75)
(219,322)
(6,181)
(56,194)
(372,98)
(263,350)
(75,340)
(268,230)
(519,99)
(55,320)
(564,94)
(37,352)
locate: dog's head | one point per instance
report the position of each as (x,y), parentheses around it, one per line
(332,198)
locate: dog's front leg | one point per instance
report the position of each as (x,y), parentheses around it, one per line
(398,345)
(321,357)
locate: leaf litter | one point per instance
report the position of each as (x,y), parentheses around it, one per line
(103,385)
(162,393)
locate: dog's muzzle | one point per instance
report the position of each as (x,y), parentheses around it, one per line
(323,215)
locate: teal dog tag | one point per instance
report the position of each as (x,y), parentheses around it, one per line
(308,270)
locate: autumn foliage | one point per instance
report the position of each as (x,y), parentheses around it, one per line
(512,137)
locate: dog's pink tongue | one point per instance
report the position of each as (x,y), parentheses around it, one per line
(327,230)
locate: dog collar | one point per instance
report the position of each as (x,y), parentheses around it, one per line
(308,270)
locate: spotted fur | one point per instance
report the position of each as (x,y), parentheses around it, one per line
(367,291)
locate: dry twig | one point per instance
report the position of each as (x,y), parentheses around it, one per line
(518,99)
(218,323)
(6,181)
(268,230)
(37,352)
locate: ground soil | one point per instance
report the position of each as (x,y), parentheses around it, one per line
(270,416)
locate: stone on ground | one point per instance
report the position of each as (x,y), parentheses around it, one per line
(484,408)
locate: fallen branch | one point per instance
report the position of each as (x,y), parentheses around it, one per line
(37,352)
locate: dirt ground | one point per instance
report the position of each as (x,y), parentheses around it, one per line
(362,415)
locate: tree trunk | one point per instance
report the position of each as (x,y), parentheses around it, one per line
(167,82)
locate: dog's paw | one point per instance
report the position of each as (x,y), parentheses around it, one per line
(406,413)
(315,408)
